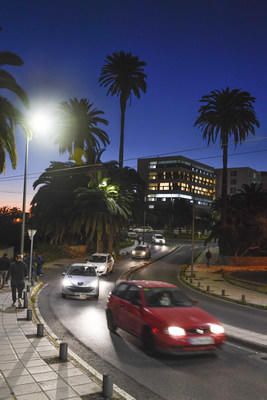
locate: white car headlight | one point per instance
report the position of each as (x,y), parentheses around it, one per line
(176,331)
(66,282)
(133,252)
(143,253)
(216,329)
(94,283)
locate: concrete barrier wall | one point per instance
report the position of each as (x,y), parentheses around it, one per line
(248,261)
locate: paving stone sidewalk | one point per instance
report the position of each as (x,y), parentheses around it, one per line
(29,366)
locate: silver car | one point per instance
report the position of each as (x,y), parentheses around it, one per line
(158,239)
(141,251)
(80,280)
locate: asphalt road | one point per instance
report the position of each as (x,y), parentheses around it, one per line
(235,373)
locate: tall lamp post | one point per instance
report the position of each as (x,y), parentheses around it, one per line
(37,121)
(31,233)
(24,194)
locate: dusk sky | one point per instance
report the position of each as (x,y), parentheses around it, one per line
(191,47)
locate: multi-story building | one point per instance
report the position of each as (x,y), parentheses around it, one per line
(236,178)
(169,178)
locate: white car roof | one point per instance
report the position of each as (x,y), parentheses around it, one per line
(100,254)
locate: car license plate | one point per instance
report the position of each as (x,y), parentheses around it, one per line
(82,295)
(198,341)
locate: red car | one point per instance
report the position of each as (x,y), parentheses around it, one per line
(162,317)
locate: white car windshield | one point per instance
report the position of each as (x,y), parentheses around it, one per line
(81,270)
(97,259)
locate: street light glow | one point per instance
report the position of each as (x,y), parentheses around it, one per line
(41,122)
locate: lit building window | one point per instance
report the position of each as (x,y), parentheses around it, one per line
(152,186)
(153,164)
(152,176)
(164,186)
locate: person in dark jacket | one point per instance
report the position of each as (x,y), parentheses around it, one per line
(17,273)
(4,267)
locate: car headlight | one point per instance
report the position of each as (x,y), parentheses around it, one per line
(66,282)
(143,253)
(216,329)
(176,331)
(133,252)
(101,267)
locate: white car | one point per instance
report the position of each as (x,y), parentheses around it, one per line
(158,239)
(80,280)
(141,229)
(103,263)
(141,251)
(132,234)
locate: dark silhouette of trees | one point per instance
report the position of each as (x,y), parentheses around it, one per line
(79,133)
(10,116)
(226,114)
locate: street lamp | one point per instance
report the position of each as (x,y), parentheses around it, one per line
(28,137)
(40,122)
(31,233)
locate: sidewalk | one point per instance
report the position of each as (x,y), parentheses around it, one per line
(29,366)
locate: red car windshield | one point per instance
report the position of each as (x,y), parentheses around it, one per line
(166,297)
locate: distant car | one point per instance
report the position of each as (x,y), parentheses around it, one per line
(141,251)
(141,229)
(162,317)
(80,280)
(132,234)
(158,239)
(103,262)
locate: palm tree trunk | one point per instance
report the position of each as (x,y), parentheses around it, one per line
(121,150)
(223,238)
(224,180)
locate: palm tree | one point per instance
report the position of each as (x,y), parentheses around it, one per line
(123,75)
(226,113)
(101,209)
(79,134)
(10,116)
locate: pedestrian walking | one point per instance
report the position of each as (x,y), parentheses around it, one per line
(39,265)
(139,239)
(4,267)
(17,273)
(208,257)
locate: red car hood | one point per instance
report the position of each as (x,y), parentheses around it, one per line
(185,317)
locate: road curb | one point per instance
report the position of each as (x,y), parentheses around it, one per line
(182,280)
(56,341)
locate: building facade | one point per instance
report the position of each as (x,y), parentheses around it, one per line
(170,178)
(237,177)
